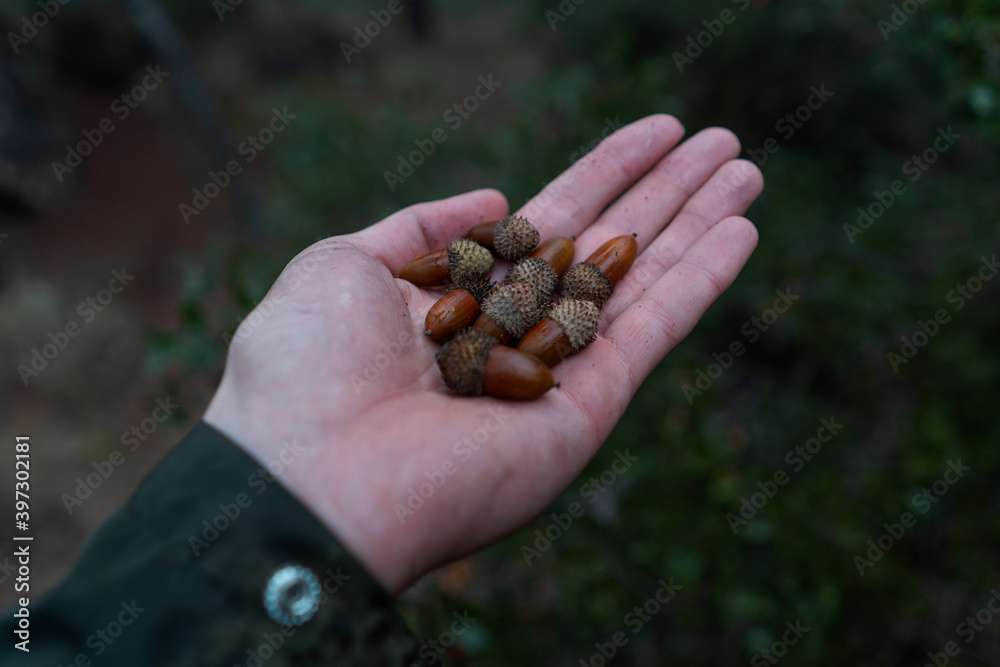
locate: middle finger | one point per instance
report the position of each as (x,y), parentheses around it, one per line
(647,207)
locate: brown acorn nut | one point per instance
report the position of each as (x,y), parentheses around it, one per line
(472,363)
(485,324)
(543,268)
(512,238)
(557,253)
(459,258)
(569,327)
(537,273)
(459,307)
(594,279)
(513,307)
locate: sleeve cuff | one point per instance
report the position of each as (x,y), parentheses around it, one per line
(178,577)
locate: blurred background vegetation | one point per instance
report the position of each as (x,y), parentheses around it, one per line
(826,357)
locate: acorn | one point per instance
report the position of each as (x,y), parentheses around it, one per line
(588,283)
(594,279)
(473,364)
(557,253)
(512,238)
(489,327)
(537,273)
(513,308)
(569,327)
(459,258)
(459,307)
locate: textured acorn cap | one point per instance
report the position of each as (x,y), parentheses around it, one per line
(515,237)
(468,257)
(578,320)
(513,307)
(478,285)
(587,282)
(537,273)
(462,361)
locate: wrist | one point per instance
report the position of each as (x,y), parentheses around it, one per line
(297,462)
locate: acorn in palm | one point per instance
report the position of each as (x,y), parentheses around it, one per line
(473,363)
(512,238)
(569,327)
(459,307)
(594,279)
(460,258)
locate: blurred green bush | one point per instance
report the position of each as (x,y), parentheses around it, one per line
(826,357)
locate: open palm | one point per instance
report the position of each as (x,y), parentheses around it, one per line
(409,476)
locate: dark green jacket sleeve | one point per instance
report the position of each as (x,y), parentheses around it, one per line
(178,576)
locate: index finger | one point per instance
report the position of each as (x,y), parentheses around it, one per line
(571,202)
(427,226)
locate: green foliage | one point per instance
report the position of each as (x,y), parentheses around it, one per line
(827,356)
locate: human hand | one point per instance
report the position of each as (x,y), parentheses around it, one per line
(341,367)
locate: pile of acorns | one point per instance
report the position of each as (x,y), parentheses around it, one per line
(503,338)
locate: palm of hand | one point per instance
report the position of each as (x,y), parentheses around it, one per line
(408,476)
